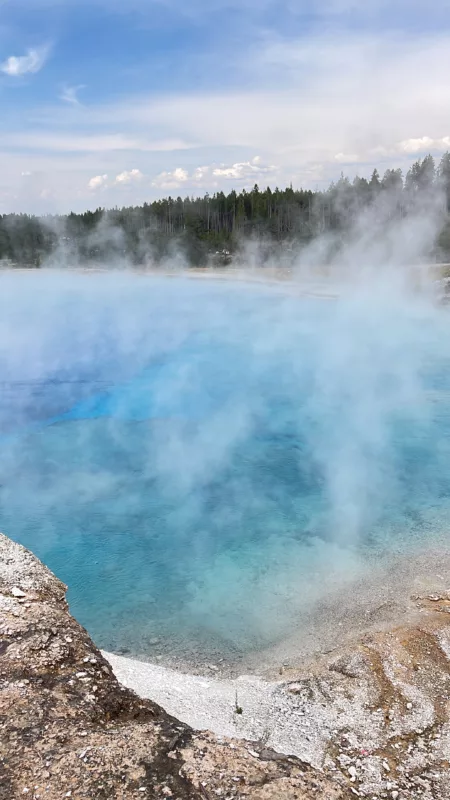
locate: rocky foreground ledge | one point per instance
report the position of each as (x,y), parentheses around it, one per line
(69,729)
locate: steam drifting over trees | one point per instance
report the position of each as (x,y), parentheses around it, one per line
(210,229)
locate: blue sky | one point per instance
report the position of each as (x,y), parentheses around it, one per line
(109,102)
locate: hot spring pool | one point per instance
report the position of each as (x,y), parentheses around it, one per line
(198,461)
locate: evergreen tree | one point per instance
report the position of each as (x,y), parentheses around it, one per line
(444,177)
(421,175)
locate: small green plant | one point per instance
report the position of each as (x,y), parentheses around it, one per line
(237,708)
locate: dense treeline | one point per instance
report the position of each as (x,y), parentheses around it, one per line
(214,226)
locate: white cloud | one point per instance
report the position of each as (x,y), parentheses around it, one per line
(128,177)
(208,175)
(32,62)
(414,146)
(69,94)
(123,178)
(243,170)
(424,144)
(180,175)
(25,174)
(98,182)
(200,173)
(171,180)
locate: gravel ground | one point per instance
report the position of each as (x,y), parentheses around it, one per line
(203,703)
(289,716)
(374,715)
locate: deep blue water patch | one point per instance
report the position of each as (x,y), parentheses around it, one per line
(197,461)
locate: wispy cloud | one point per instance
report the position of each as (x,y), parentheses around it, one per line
(31,62)
(69,141)
(316,7)
(69,94)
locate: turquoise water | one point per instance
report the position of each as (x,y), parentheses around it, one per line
(199,462)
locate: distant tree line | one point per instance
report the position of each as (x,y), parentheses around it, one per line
(212,228)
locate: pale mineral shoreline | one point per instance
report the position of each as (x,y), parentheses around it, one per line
(395,594)
(279,281)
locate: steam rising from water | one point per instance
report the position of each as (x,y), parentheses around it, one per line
(200,461)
